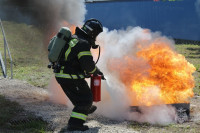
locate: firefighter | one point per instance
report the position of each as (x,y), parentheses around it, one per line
(77,62)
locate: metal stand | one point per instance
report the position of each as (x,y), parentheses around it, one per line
(3,63)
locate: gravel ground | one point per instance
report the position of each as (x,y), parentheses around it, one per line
(35,100)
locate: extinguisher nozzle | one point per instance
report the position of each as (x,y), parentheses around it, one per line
(102,77)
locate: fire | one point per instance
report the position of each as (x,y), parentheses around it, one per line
(156,74)
(63,24)
(55,30)
(70,26)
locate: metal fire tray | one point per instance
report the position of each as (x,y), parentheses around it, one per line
(182,111)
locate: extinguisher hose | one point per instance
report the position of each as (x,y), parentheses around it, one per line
(97,62)
(98,55)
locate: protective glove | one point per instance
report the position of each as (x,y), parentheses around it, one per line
(86,75)
(97,72)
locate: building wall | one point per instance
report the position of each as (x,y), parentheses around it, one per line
(178,19)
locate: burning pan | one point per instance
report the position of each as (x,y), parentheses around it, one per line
(182,111)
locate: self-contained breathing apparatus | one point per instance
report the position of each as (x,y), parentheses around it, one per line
(56,48)
(57,44)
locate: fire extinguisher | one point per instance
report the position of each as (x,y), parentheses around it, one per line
(95,82)
(96,87)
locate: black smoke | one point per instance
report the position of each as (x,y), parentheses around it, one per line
(26,11)
(47,15)
(43,13)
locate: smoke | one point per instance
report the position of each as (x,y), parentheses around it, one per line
(56,94)
(160,114)
(48,12)
(48,15)
(116,105)
(197,5)
(115,102)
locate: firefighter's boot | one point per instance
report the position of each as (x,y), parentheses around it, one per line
(76,122)
(92,109)
(77,128)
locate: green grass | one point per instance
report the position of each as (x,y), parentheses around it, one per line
(34,126)
(30,61)
(10,110)
(192,54)
(171,128)
(28,52)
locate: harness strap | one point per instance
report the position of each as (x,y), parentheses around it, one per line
(69,76)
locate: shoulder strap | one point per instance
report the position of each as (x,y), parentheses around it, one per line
(74,40)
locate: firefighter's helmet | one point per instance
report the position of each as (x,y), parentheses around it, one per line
(92,28)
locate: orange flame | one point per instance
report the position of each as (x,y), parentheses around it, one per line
(63,24)
(156,74)
(71,27)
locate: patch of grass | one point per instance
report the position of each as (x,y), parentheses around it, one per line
(171,128)
(192,54)
(35,75)
(30,61)
(28,52)
(10,110)
(145,126)
(34,126)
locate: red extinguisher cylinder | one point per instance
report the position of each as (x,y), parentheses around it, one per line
(96,87)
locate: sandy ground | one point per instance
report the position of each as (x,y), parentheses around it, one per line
(36,100)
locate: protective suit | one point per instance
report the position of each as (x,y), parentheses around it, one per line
(76,63)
